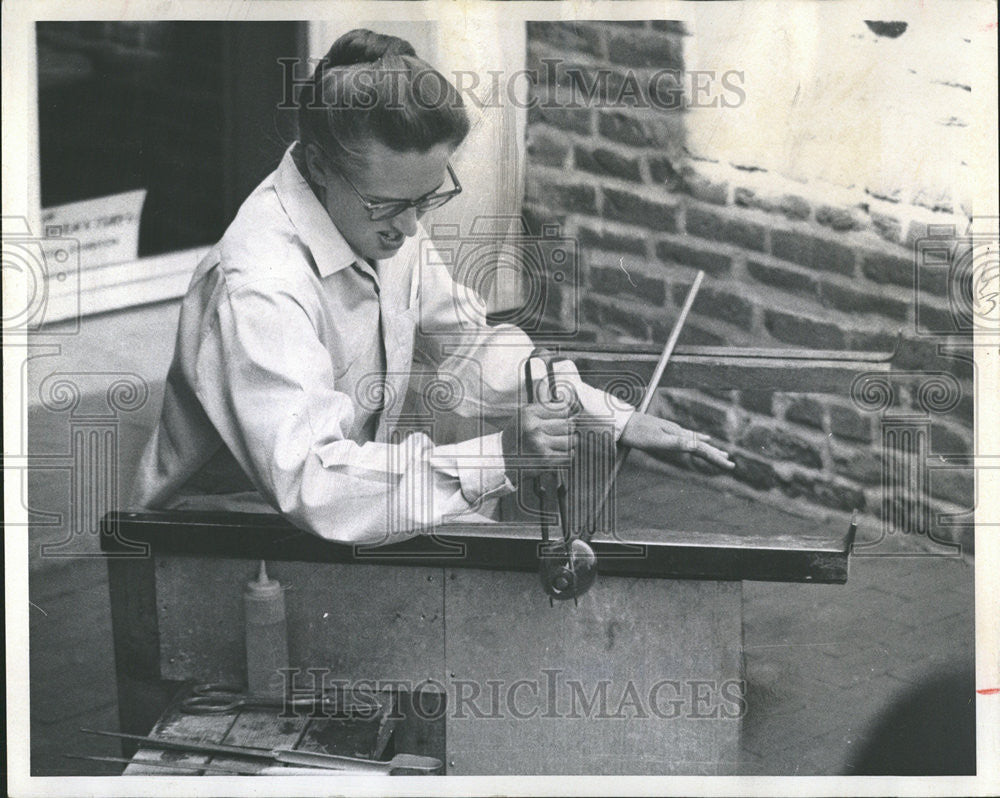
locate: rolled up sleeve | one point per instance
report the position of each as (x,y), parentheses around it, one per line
(267,384)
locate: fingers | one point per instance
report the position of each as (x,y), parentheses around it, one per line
(564,394)
(714,456)
(556,438)
(696,443)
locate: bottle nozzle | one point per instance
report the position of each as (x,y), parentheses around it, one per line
(264,585)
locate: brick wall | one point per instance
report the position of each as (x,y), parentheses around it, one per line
(788,264)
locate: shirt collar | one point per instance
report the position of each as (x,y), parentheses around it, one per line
(318,232)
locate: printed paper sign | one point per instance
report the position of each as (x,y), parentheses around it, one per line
(107,228)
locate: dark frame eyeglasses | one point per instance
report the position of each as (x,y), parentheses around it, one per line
(379,211)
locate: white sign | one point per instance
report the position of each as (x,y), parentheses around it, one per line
(106,228)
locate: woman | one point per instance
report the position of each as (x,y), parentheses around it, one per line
(298,332)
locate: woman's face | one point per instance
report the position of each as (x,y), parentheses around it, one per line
(387,175)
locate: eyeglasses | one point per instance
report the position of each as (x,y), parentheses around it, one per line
(379,211)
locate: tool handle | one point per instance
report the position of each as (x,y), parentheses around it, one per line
(329,761)
(401,763)
(191,746)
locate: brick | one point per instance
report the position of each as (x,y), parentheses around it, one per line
(795,207)
(840,219)
(941,321)
(568,83)
(924,233)
(863,341)
(566,197)
(918,354)
(888,269)
(546,149)
(888,227)
(610,242)
(803,331)
(778,444)
(700,416)
(601,161)
(701,188)
(646,131)
(718,305)
(574,120)
(792,206)
(662,170)
(624,206)
(669,26)
(578,37)
(536,218)
(659,52)
(934,279)
(949,441)
(781,277)
(714,263)
(845,422)
(756,473)
(623,320)
(758,401)
(554,304)
(859,465)
(591,310)
(828,493)
(722,394)
(805,411)
(850,301)
(717,227)
(617,281)
(812,251)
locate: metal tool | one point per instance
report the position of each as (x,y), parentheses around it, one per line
(401,764)
(387,725)
(567,568)
(214,698)
(232,770)
(647,399)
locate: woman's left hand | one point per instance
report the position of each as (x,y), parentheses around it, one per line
(659,436)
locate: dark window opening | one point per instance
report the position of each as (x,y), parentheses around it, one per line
(186,110)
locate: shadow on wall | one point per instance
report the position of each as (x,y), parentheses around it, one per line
(930,730)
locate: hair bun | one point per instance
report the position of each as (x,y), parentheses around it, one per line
(363,46)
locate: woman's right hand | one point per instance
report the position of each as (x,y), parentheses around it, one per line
(539,438)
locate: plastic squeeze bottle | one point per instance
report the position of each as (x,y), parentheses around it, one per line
(266,635)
